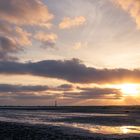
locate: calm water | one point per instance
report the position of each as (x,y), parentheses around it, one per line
(93,122)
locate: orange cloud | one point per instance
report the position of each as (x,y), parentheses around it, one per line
(25,12)
(44,36)
(68,22)
(18,34)
(14,16)
(79,45)
(22,37)
(11,40)
(132,7)
(48,39)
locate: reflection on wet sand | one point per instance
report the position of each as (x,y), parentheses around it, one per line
(109,129)
(93,122)
(92,128)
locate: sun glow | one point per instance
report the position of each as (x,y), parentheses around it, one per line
(130,89)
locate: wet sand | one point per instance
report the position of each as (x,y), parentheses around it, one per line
(18,131)
(56,123)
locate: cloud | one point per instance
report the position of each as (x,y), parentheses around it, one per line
(21,88)
(8,47)
(26,96)
(71,70)
(47,39)
(15,17)
(24,92)
(25,12)
(67,92)
(12,40)
(65,87)
(132,7)
(94,93)
(79,45)
(22,37)
(68,22)
(34,88)
(5,28)
(32,92)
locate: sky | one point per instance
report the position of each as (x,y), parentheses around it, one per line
(83,52)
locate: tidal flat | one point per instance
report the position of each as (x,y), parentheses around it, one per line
(70,123)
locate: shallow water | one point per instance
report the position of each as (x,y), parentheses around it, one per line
(68,120)
(109,129)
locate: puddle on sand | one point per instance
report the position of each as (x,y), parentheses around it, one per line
(108,129)
(46,118)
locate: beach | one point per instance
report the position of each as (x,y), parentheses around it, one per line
(69,123)
(15,131)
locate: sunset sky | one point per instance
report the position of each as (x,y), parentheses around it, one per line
(78,52)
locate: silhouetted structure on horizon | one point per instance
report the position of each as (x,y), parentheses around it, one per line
(55,103)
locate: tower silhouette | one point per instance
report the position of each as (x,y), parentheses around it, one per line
(55,103)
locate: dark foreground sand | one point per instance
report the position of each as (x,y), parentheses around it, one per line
(16,131)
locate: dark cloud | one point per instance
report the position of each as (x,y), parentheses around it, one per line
(21,88)
(47,44)
(27,96)
(71,70)
(36,88)
(67,92)
(5,28)
(97,93)
(26,92)
(65,87)
(33,96)
(8,48)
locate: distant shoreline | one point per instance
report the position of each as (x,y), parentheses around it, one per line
(89,108)
(83,109)
(69,106)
